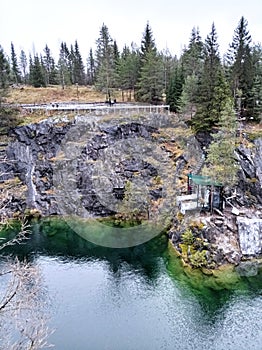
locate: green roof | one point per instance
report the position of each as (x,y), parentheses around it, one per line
(203,180)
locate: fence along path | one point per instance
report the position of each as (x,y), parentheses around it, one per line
(103,108)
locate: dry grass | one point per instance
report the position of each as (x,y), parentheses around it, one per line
(50,94)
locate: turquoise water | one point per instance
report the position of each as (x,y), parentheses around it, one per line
(138,298)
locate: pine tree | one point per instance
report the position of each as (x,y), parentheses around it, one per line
(50,72)
(128,68)
(64,65)
(241,69)
(4,75)
(105,63)
(212,87)
(23,66)
(175,88)
(91,68)
(188,96)
(147,42)
(222,164)
(192,57)
(150,86)
(15,73)
(36,74)
(256,92)
(78,69)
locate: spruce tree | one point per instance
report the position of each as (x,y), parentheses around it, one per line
(50,72)
(78,69)
(175,88)
(64,65)
(241,69)
(255,100)
(221,161)
(128,70)
(212,87)
(193,56)
(37,78)
(4,75)
(150,86)
(105,63)
(23,66)
(188,97)
(15,73)
(91,68)
(147,42)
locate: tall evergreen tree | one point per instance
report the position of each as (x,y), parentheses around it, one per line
(193,56)
(241,69)
(147,42)
(128,70)
(4,75)
(175,88)
(64,66)
(50,72)
(255,102)
(150,86)
(36,74)
(188,96)
(105,63)
(222,164)
(78,69)
(90,68)
(15,72)
(212,87)
(23,66)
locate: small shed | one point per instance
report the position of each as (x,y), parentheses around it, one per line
(209,193)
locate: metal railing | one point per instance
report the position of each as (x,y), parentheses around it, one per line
(101,108)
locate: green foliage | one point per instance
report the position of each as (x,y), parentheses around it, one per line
(36,72)
(192,57)
(4,75)
(15,73)
(148,42)
(222,166)
(50,72)
(212,88)
(174,89)
(198,259)
(106,74)
(241,69)
(188,237)
(150,84)
(128,68)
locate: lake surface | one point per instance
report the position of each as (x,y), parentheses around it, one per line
(138,298)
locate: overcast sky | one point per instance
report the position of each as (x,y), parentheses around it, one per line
(30,24)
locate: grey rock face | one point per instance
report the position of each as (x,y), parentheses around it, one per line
(250,174)
(36,150)
(250,236)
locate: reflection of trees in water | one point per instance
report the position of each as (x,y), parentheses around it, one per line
(23,302)
(23,309)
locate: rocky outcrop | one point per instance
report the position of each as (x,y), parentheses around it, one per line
(250,236)
(86,165)
(250,174)
(101,156)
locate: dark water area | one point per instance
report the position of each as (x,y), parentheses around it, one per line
(140,297)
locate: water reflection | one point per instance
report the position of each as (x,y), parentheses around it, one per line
(138,298)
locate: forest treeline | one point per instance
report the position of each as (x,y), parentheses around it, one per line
(199,83)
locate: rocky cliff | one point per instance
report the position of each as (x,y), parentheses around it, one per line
(103,156)
(135,167)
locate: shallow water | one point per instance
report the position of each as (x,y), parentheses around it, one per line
(138,298)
